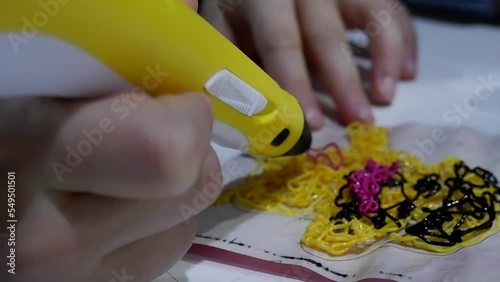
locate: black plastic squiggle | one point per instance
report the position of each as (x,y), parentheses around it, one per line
(460,201)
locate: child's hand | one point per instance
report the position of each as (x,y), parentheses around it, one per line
(291,35)
(105,186)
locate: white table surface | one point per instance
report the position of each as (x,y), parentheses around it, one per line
(453,59)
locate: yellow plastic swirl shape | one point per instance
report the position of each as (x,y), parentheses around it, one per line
(298,186)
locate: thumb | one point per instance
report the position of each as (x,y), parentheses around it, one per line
(125,146)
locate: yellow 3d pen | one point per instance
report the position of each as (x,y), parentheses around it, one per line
(73,47)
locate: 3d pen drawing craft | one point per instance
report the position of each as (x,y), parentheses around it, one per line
(157,47)
(359,196)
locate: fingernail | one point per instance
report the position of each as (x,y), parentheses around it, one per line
(387,87)
(410,66)
(314,118)
(366,115)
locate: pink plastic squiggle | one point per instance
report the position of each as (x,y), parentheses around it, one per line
(365,184)
(317,154)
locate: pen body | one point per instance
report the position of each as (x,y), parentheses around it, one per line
(74,47)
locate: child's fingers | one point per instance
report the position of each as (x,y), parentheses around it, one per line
(76,230)
(228,20)
(324,33)
(216,16)
(147,258)
(410,42)
(386,52)
(128,146)
(277,37)
(49,244)
(386,43)
(111,223)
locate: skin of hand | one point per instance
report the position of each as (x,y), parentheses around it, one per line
(106,191)
(296,38)
(105,187)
